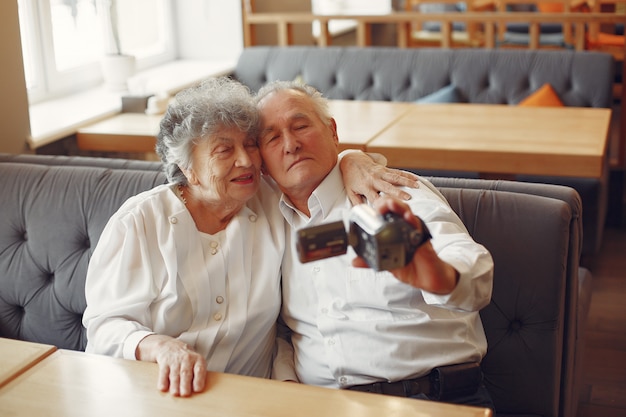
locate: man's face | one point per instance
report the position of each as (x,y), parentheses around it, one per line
(298,149)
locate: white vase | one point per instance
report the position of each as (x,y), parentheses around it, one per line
(116,70)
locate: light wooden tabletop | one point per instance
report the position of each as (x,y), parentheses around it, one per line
(357,123)
(71,383)
(125,132)
(16,356)
(360,121)
(566,141)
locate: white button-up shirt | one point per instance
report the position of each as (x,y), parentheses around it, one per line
(355,326)
(153,272)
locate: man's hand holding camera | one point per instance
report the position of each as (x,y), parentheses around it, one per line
(425,270)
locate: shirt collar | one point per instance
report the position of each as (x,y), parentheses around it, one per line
(321,200)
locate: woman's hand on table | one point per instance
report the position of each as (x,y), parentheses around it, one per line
(182,371)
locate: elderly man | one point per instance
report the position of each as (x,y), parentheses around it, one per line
(414,331)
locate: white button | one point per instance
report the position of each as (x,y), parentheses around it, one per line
(219,299)
(213,251)
(217,316)
(173,220)
(316,269)
(331,342)
(343,380)
(252,218)
(324,310)
(214,244)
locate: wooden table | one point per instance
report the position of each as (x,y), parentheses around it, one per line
(498,139)
(501,140)
(78,384)
(16,356)
(125,132)
(357,121)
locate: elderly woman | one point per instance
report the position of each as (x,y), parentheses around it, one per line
(187,274)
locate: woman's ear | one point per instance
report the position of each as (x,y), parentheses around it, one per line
(190,175)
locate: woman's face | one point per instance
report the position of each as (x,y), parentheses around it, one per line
(226,168)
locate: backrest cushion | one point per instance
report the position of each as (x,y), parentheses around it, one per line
(447,94)
(52,218)
(545,96)
(550,7)
(492,76)
(525,320)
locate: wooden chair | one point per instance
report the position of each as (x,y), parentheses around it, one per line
(430,33)
(533,35)
(605,37)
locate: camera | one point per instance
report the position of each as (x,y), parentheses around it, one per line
(385,241)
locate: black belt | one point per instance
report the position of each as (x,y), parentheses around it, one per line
(406,388)
(442,383)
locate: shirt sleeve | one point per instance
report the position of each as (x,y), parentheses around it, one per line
(119,290)
(454,245)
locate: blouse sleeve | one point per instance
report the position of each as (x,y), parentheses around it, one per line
(119,289)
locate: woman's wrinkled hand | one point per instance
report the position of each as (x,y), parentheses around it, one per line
(182,371)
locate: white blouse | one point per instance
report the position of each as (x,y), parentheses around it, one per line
(153,272)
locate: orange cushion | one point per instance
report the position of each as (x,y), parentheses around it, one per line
(606,39)
(543,97)
(550,7)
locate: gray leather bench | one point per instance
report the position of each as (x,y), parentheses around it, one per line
(54,210)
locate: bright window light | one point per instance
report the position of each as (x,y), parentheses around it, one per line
(63,41)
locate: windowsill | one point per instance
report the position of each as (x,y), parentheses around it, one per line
(55,119)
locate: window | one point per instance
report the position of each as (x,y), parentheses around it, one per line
(64,40)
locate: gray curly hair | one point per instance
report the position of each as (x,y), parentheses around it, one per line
(199,112)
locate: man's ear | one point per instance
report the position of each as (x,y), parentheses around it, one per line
(333,126)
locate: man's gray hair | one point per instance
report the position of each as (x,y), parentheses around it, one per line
(320,103)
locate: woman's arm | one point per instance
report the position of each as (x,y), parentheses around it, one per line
(366,176)
(120,291)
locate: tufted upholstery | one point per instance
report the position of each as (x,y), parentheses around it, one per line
(492,76)
(577,286)
(54,209)
(391,74)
